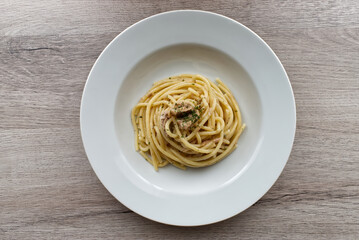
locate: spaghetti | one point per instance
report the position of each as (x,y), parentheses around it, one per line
(187,121)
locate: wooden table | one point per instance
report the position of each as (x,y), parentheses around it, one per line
(47,187)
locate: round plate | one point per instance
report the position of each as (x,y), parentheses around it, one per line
(194,42)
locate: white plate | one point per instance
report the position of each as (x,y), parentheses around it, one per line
(178,42)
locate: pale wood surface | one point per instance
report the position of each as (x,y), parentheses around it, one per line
(47,187)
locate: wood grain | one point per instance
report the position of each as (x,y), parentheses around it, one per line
(47,187)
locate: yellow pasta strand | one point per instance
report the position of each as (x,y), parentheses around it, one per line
(186,121)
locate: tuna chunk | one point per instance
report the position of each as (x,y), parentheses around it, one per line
(182,107)
(165,115)
(185,113)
